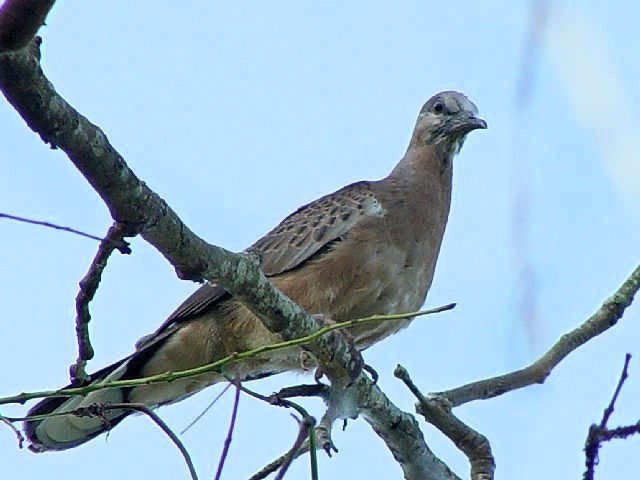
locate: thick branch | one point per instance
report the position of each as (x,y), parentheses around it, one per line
(401,433)
(20,20)
(132,203)
(472,443)
(604,318)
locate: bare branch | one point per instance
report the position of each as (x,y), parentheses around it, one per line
(20,20)
(88,287)
(603,319)
(474,445)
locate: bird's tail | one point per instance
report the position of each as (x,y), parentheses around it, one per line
(59,432)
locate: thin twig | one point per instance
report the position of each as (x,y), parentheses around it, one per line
(122,246)
(232,424)
(609,410)
(201,414)
(19,436)
(215,366)
(88,287)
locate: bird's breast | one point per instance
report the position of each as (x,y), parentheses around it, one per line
(375,270)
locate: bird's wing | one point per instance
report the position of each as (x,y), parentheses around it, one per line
(298,238)
(314,226)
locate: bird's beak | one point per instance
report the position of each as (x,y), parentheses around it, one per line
(466,122)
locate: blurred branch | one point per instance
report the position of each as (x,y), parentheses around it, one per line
(601,433)
(20,20)
(88,287)
(531,51)
(526,294)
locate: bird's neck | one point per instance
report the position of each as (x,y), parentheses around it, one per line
(422,180)
(426,166)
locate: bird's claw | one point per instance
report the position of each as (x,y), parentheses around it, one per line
(357,364)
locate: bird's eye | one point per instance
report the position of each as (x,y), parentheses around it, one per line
(438,107)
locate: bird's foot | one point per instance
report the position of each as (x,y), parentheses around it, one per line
(307,361)
(357,363)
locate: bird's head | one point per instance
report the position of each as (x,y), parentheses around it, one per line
(444,122)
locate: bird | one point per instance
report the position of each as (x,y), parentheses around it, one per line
(368,248)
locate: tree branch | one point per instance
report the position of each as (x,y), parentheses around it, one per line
(133,203)
(604,318)
(436,407)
